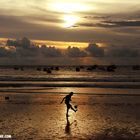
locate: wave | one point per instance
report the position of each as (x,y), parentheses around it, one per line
(130,85)
(72,79)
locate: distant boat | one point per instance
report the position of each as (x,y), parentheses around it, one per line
(57,68)
(92,67)
(136,67)
(44,69)
(77,69)
(16,68)
(38,69)
(89,69)
(111,68)
(52,68)
(49,71)
(7,98)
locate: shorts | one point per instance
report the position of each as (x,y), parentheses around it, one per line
(68,106)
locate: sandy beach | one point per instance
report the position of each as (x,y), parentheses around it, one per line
(42,117)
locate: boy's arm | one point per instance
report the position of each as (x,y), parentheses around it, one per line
(62,100)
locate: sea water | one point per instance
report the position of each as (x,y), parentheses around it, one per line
(124,80)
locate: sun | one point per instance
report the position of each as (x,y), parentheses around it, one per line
(70,20)
(69,11)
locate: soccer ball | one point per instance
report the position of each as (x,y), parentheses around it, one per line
(75,106)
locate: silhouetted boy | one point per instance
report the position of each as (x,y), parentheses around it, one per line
(67,102)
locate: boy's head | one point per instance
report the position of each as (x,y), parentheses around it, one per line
(71,93)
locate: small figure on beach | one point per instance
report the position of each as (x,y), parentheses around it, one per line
(67,99)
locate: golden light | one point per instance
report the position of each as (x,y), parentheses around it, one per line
(60,44)
(70,20)
(70,10)
(68,7)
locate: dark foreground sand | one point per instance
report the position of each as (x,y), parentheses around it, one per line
(42,117)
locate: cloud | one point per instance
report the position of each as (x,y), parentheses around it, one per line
(75,52)
(105,24)
(110,20)
(19,26)
(36,52)
(20,23)
(111,24)
(24,49)
(95,50)
(123,52)
(125,23)
(27,52)
(36,20)
(50,51)
(98,16)
(7,52)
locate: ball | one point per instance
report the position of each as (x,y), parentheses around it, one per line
(75,106)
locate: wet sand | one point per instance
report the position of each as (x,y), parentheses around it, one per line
(42,117)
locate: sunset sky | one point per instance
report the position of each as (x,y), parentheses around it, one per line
(112,23)
(109,21)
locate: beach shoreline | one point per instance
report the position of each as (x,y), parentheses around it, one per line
(41,116)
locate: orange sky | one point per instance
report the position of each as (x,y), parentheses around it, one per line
(60,44)
(110,21)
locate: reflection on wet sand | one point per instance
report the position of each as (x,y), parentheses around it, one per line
(98,117)
(68,128)
(70,125)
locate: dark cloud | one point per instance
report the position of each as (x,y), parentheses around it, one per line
(123,52)
(95,50)
(50,51)
(75,52)
(34,51)
(111,24)
(127,23)
(87,25)
(6,52)
(27,52)
(110,20)
(23,49)
(97,17)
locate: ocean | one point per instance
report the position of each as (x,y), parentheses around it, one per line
(124,80)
